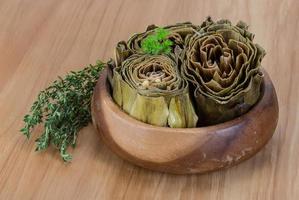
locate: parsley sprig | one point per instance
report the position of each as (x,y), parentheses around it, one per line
(64,108)
(157,43)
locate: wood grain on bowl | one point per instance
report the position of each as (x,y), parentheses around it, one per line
(184,150)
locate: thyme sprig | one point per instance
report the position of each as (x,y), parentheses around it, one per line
(63,108)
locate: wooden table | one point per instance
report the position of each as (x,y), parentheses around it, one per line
(42,39)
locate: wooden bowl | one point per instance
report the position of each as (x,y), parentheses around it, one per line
(184,150)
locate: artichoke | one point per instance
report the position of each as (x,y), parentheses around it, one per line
(222,63)
(151,89)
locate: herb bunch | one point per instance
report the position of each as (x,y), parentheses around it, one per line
(157,43)
(64,108)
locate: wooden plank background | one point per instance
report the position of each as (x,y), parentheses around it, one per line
(42,39)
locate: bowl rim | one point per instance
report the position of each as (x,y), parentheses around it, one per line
(105,90)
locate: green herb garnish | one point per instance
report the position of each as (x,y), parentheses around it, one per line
(64,107)
(157,43)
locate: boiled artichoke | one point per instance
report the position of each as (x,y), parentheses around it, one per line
(222,63)
(150,88)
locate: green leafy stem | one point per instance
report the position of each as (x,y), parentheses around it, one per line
(157,43)
(64,108)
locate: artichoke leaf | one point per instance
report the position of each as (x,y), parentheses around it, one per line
(151,110)
(117,89)
(181,112)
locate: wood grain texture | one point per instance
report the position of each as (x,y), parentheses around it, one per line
(42,39)
(184,150)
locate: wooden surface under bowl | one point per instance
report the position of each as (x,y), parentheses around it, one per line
(184,150)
